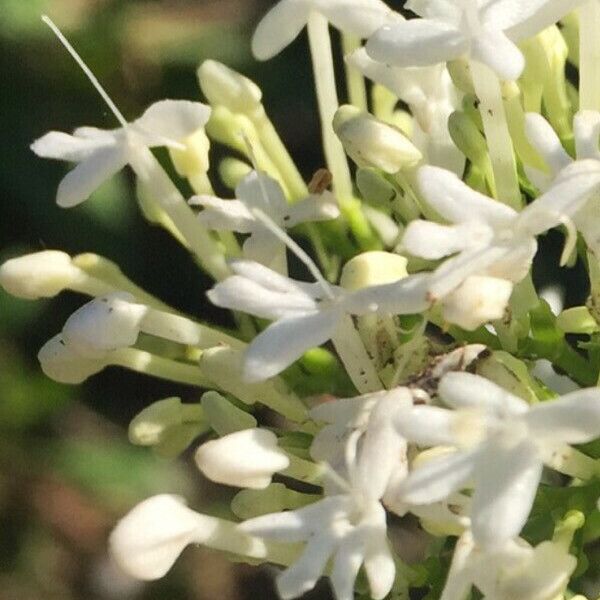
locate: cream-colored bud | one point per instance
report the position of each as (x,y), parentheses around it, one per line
(148,540)
(371,142)
(223,86)
(373,268)
(103,325)
(194,159)
(477,301)
(247,458)
(63,364)
(40,275)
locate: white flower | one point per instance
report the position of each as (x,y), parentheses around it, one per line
(259,191)
(305,314)
(246,458)
(431,98)
(502,444)
(586,131)
(516,571)
(99,153)
(40,275)
(148,540)
(485,31)
(491,240)
(284,22)
(349,524)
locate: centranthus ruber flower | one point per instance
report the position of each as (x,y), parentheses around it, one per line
(501,445)
(494,244)
(100,153)
(487,32)
(259,191)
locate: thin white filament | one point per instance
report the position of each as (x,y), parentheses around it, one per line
(63,40)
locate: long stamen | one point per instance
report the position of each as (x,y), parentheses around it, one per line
(63,40)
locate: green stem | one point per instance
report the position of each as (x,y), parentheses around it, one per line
(589,56)
(495,125)
(355,82)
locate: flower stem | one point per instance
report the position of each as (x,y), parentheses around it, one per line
(355,82)
(589,56)
(157,366)
(154,178)
(322,59)
(352,352)
(500,147)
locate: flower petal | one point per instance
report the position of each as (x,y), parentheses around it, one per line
(417,43)
(346,565)
(457,202)
(224,215)
(78,185)
(492,48)
(465,390)
(506,481)
(427,425)
(283,342)
(279,28)
(258,190)
(361,18)
(317,207)
(173,120)
(542,136)
(433,241)
(573,418)
(439,478)
(63,146)
(379,566)
(263,247)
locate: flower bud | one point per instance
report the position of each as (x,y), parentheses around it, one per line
(148,540)
(150,426)
(192,161)
(224,86)
(577,320)
(375,188)
(61,363)
(39,275)
(247,458)
(371,142)
(233,171)
(223,416)
(373,268)
(477,301)
(104,324)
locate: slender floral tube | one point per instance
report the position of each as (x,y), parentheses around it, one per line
(589,56)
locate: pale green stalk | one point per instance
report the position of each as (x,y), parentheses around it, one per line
(589,56)
(304,470)
(355,82)
(574,463)
(157,366)
(491,106)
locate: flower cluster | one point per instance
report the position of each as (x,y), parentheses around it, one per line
(418,371)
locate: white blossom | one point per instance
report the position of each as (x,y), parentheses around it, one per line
(485,31)
(349,524)
(586,131)
(284,22)
(490,240)
(501,445)
(100,153)
(259,191)
(515,571)
(246,458)
(305,315)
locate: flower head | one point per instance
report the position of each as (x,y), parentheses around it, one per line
(100,153)
(486,32)
(502,444)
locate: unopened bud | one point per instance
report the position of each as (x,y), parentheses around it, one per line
(194,160)
(223,86)
(233,171)
(373,268)
(371,142)
(477,301)
(247,458)
(40,275)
